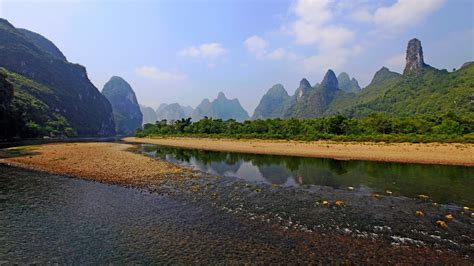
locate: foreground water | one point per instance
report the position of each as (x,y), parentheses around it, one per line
(443,184)
(52,219)
(233,217)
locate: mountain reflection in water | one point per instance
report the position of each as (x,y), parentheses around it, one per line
(444,184)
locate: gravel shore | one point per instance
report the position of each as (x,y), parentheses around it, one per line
(103,162)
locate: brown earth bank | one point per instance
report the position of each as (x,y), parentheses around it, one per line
(429,153)
(114,163)
(98,161)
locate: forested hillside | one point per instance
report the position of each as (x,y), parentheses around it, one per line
(48,90)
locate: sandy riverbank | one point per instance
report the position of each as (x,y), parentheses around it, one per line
(103,162)
(430,153)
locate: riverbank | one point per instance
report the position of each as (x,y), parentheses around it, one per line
(98,161)
(425,153)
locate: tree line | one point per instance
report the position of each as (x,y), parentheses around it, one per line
(375,127)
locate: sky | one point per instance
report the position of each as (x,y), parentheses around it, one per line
(185,51)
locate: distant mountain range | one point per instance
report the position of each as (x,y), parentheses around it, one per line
(173,111)
(42,94)
(149,115)
(219,108)
(421,89)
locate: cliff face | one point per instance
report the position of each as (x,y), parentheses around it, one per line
(414,58)
(126,110)
(302,91)
(67,92)
(44,44)
(6,97)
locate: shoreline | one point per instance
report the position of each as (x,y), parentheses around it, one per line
(430,153)
(104,162)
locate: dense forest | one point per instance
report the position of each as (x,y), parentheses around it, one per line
(449,127)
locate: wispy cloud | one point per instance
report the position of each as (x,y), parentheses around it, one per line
(404,13)
(314,25)
(277,54)
(256,45)
(207,50)
(157,74)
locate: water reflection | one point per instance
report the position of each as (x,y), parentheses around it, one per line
(445,184)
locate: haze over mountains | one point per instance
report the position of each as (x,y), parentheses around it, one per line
(219,108)
(173,111)
(42,94)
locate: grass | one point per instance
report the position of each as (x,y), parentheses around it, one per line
(17,151)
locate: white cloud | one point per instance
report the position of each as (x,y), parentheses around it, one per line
(157,74)
(314,25)
(256,45)
(206,50)
(404,13)
(277,54)
(321,62)
(362,15)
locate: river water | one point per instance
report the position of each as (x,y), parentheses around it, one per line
(443,184)
(48,218)
(249,208)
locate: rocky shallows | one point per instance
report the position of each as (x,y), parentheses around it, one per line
(343,224)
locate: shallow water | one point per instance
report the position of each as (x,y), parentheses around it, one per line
(47,218)
(443,184)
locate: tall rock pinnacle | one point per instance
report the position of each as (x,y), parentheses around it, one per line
(414,58)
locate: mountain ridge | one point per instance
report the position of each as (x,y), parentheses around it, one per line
(72,100)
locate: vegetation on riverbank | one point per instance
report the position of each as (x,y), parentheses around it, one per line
(376,127)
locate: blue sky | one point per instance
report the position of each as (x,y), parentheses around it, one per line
(184,51)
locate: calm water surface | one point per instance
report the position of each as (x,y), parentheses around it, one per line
(444,184)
